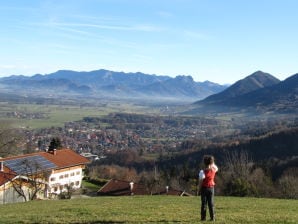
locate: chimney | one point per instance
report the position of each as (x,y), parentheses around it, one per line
(167,190)
(53,151)
(131,187)
(2,166)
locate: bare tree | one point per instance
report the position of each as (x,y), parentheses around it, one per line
(287,184)
(30,181)
(237,170)
(9,138)
(150,180)
(238,164)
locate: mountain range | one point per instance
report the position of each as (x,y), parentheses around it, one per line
(259,91)
(105,83)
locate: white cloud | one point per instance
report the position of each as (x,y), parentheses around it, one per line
(136,27)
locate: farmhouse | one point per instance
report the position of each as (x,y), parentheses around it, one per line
(40,175)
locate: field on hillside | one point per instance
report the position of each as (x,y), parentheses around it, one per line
(43,116)
(150,209)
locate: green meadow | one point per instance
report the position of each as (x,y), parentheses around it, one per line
(150,209)
(57,115)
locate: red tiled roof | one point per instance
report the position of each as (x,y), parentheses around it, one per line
(65,158)
(122,188)
(62,158)
(6,175)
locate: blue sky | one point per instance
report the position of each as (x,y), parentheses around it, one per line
(216,40)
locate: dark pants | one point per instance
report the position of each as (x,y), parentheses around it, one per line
(207,198)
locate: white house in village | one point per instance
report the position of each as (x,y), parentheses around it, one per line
(63,169)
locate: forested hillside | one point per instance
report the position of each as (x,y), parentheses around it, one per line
(256,165)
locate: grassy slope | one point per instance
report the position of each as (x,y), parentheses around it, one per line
(153,209)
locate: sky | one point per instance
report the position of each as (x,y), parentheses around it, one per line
(222,41)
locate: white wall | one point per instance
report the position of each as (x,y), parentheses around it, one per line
(59,180)
(9,195)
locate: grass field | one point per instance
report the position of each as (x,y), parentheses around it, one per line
(57,115)
(150,209)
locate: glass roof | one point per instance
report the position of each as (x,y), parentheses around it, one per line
(29,164)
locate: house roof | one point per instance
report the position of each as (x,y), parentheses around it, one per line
(29,164)
(116,187)
(47,160)
(65,158)
(6,175)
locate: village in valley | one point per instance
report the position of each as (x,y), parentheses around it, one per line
(59,171)
(115,132)
(120,154)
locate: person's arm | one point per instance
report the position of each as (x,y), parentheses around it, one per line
(213,166)
(201,178)
(200,186)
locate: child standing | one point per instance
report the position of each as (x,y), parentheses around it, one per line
(206,187)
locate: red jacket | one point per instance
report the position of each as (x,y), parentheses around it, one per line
(208,181)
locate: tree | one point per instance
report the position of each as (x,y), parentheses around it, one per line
(55,144)
(287,184)
(237,169)
(150,180)
(242,177)
(9,138)
(30,181)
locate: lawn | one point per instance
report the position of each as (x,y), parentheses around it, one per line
(150,209)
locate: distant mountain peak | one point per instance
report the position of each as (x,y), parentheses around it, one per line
(259,92)
(255,81)
(261,79)
(184,77)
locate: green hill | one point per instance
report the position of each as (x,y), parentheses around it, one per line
(150,209)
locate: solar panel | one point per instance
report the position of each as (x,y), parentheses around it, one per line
(29,164)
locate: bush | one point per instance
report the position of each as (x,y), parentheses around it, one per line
(240,187)
(64,195)
(287,185)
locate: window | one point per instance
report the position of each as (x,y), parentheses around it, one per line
(61,177)
(78,173)
(72,174)
(66,175)
(52,179)
(77,183)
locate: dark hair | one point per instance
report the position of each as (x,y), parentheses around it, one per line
(208,160)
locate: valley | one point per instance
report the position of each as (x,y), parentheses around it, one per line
(164,139)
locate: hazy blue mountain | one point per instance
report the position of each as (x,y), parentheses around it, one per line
(184,86)
(112,84)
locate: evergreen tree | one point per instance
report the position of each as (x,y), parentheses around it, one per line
(55,144)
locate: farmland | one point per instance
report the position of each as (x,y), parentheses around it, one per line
(34,116)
